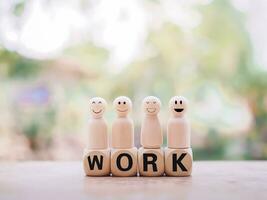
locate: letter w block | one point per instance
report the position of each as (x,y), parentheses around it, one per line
(96,162)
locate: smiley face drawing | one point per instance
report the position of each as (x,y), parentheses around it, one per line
(151,105)
(178,105)
(122,105)
(97,106)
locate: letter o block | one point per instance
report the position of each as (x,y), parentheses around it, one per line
(96,162)
(151,162)
(178,162)
(124,162)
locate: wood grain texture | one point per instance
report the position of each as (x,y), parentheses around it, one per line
(66,180)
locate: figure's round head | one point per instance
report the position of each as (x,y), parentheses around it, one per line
(97,106)
(122,105)
(151,105)
(178,105)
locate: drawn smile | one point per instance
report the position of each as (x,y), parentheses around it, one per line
(178,109)
(151,110)
(97,112)
(122,110)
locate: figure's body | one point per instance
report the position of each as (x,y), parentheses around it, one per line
(97,126)
(122,133)
(97,136)
(179,131)
(122,128)
(178,127)
(151,134)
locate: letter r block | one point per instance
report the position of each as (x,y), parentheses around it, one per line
(96,162)
(178,162)
(151,162)
(124,162)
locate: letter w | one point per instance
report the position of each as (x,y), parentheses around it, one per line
(96,161)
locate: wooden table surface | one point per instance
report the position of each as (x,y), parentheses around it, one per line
(65,180)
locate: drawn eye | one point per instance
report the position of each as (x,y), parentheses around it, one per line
(99,102)
(93,102)
(181,102)
(124,102)
(154,102)
(119,102)
(175,102)
(147,102)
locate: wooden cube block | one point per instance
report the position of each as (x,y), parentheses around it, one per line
(178,162)
(124,162)
(96,162)
(151,162)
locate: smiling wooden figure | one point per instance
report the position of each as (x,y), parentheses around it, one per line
(178,154)
(151,155)
(123,153)
(96,158)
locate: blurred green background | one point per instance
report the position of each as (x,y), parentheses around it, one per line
(55,55)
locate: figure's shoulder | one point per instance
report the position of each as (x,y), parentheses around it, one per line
(97,121)
(177,120)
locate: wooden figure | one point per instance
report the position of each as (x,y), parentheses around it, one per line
(122,128)
(96,158)
(151,156)
(151,134)
(178,154)
(123,153)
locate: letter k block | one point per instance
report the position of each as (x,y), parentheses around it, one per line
(178,162)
